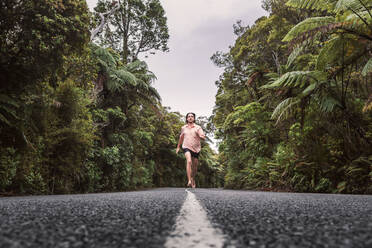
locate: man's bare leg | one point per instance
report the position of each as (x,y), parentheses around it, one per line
(194,170)
(188,168)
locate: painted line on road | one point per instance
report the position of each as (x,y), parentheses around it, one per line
(193,228)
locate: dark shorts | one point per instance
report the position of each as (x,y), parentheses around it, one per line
(193,154)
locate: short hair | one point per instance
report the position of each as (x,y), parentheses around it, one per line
(191,114)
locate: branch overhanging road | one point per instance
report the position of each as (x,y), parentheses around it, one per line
(173,217)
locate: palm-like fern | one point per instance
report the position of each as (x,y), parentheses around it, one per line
(295,79)
(349,26)
(367,68)
(313,4)
(310,24)
(8,108)
(285,108)
(353,5)
(133,77)
(310,85)
(351,16)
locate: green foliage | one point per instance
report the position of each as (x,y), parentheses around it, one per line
(311,4)
(8,109)
(35,38)
(249,137)
(69,125)
(322,139)
(367,68)
(308,25)
(9,161)
(76,117)
(137,27)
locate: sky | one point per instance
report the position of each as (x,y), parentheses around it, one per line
(198,28)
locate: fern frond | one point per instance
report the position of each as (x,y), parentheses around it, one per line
(137,65)
(308,25)
(329,52)
(312,4)
(333,51)
(297,79)
(309,89)
(119,79)
(105,58)
(4,120)
(8,100)
(8,109)
(284,108)
(142,85)
(327,104)
(148,77)
(272,76)
(359,17)
(154,93)
(294,54)
(368,104)
(343,5)
(367,68)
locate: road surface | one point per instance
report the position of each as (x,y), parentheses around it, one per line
(175,217)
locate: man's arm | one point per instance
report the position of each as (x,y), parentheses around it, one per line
(180,140)
(201,134)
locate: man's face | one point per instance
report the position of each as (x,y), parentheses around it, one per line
(190,118)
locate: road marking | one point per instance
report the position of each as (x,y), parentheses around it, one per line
(193,228)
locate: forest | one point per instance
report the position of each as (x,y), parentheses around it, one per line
(79,113)
(293,108)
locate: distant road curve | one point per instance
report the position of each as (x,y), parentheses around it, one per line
(173,217)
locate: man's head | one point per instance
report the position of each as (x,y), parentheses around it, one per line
(190,117)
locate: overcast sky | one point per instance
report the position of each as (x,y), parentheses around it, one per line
(198,28)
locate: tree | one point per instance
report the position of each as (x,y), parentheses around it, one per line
(34,38)
(139,26)
(37,42)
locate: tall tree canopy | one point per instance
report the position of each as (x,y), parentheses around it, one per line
(139,26)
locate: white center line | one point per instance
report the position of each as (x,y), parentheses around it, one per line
(193,228)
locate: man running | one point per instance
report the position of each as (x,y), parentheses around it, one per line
(190,139)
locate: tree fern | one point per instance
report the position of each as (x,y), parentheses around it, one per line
(310,88)
(8,108)
(294,54)
(154,93)
(368,104)
(367,68)
(308,25)
(283,110)
(327,53)
(327,103)
(105,58)
(313,4)
(137,65)
(359,21)
(120,79)
(297,79)
(355,5)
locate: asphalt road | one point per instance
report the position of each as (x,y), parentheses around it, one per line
(131,219)
(267,219)
(146,219)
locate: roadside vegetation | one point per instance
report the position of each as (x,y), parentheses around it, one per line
(78,113)
(294,104)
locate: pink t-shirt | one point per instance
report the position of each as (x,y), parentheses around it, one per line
(191,140)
